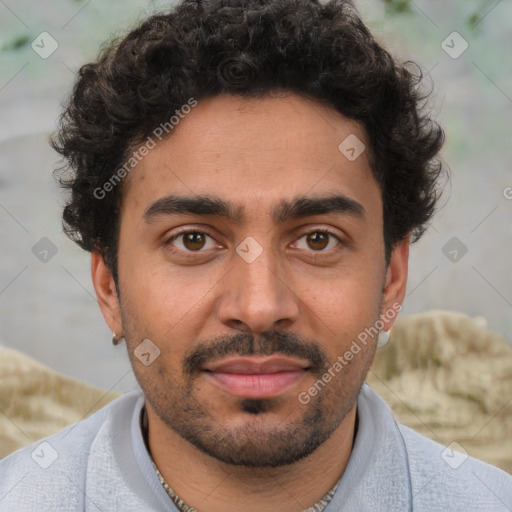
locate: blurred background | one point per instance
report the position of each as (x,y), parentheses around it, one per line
(47,305)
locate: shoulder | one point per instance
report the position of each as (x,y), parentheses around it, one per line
(439,478)
(448,478)
(50,474)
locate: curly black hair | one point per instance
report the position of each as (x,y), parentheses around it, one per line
(203,48)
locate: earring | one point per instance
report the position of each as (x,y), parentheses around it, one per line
(115,339)
(383,339)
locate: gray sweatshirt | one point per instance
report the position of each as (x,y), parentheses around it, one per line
(101,464)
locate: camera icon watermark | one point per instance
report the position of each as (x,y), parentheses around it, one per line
(146,352)
(454,45)
(249,249)
(507,193)
(44,455)
(44,250)
(454,455)
(352,147)
(44,45)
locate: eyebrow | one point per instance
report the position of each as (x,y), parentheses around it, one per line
(296,208)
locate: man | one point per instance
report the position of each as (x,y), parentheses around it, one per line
(248,177)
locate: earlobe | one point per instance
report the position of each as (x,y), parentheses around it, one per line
(106,293)
(395,283)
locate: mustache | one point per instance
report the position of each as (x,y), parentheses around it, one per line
(268,343)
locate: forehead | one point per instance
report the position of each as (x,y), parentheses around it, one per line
(252,151)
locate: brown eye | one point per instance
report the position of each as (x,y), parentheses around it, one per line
(192,241)
(318,241)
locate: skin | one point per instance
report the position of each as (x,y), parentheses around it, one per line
(254,153)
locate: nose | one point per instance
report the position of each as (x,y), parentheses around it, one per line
(257,296)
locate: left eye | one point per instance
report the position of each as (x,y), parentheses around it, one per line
(318,240)
(192,241)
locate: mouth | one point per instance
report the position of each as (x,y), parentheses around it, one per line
(256,376)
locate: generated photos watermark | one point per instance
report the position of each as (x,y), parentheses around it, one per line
(138,155)
(304,397)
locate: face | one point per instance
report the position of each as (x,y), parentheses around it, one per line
(251,255)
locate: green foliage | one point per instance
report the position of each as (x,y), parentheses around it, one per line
(17,43)
(398,6)
(474,19)
(405,6)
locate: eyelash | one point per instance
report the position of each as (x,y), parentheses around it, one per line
(193,253)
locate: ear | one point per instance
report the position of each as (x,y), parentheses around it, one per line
(395,283)
(106,293)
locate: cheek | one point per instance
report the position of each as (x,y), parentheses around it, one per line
(160,293)
(343,310)
(349,296)
(168,310)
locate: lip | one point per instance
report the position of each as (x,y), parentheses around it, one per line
(256,376)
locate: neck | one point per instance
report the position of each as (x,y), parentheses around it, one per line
(210,485)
